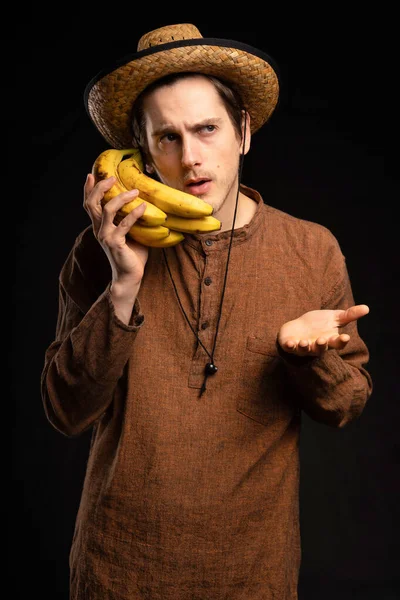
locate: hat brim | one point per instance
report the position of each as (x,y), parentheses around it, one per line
(110,95)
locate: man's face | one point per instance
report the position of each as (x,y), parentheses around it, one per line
(192,141)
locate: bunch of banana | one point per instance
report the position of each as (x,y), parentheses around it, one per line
(169,212)
(157,236)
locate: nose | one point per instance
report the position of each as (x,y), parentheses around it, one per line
(190,153)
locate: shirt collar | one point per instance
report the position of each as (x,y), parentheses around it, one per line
(220,241)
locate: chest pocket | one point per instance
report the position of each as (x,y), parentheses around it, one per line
(265,394)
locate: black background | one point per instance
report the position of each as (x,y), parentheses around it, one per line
(328,155)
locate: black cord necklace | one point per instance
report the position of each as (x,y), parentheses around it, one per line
(211,368)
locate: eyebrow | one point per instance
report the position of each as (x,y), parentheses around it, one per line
(163,129)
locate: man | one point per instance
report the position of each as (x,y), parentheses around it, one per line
(192,364)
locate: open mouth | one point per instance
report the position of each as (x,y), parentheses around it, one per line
(201,186)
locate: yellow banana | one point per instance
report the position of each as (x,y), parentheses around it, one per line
(136,156)
(185,214)
(167,199)
(148,236)
(156,236)
(106,165)
(171,239)
(199,225)
(145,234)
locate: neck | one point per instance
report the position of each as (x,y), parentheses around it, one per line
(245,212)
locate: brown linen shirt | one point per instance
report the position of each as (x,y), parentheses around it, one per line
(188,497)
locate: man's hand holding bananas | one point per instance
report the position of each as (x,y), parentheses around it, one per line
(169,213)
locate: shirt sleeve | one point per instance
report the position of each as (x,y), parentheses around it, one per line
(333,389)
(87,359)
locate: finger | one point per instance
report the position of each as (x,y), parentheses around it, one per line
(338,342)
(93,196)
(94,192)
(89,185)
(321,345)
(130,219)
(289,346)
(303,347)
(112,207)
(352,314)
(299,347)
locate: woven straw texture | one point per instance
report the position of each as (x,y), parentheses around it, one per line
(110,99)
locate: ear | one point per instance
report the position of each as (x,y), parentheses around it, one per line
(245,146)
(149,169)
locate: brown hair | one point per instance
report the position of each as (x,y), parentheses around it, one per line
(229,96)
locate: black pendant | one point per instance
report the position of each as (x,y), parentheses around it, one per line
(211,369)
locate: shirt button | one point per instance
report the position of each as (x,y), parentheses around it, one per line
(208,280)
(204,325)
(208,242)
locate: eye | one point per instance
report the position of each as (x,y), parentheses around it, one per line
(168,137)
(208,128)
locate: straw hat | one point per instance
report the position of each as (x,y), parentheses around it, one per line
(109,96)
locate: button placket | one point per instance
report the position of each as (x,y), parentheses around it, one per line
(208,303)
(208,308)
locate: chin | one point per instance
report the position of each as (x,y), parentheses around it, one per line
(214,202)
(217,206)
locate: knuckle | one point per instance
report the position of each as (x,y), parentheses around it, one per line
(107,208)
(102,238)
(105,183)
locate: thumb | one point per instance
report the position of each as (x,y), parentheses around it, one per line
(353,313)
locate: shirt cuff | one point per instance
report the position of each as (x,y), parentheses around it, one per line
(137,317)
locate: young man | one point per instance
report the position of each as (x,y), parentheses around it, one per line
(192,363)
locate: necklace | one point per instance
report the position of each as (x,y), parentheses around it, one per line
(211,368)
